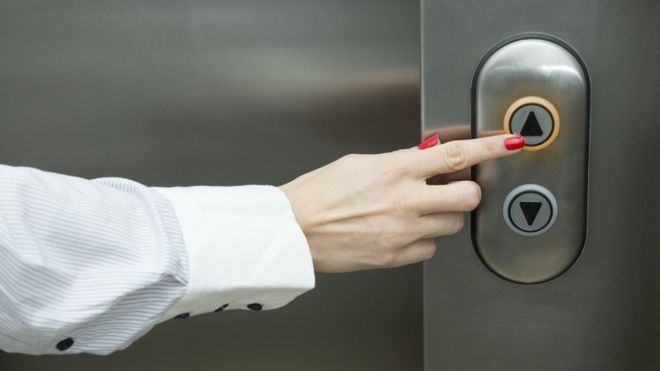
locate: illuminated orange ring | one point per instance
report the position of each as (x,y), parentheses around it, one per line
(554,114)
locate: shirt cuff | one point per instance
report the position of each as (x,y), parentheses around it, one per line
(245,249)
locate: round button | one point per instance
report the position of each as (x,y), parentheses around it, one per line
(530,210)
(534,118)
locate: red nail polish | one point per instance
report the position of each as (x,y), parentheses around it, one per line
(429,142)
(514,143)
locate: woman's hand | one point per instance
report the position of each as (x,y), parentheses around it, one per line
(377,211)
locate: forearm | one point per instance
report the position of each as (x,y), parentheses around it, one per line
(87,266)
(91,266)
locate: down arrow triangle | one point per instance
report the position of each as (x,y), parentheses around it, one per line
(530,211)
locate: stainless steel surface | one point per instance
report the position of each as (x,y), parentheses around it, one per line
(223,92)
(603,313)
(532,68)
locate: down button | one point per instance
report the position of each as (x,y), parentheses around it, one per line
(530,210)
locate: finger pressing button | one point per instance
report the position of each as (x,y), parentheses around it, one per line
(534,118)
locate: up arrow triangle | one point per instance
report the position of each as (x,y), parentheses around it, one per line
(530,211)
(531,127)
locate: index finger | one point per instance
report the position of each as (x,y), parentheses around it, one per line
(461,154)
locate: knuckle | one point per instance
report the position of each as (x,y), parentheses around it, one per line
(456,223)
(394,170)
(400,163)
(456,157)
(350,158)
(389,167)
(348,161)
(492,146)
(385,260)
(397,263)
(430,252)
(405,233)
(402,206)
(471,196)
(397,206)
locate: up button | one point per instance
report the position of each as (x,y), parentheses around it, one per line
(534,118)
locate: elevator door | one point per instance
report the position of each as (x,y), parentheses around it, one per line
(497,296)
(223,93)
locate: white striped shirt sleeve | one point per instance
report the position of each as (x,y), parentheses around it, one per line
(91,266)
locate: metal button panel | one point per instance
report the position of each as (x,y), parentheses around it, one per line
(531,223)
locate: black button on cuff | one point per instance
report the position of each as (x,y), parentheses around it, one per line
(64,344)
(183,316)
(255,306)
(221,308)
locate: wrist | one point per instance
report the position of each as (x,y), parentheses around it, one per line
(298,213)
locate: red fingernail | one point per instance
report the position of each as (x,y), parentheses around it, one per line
(514,143)
(429,142)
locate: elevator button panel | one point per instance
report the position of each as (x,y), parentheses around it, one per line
(531,224)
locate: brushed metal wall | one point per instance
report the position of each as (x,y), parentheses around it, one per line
(603,313)
(224,93)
